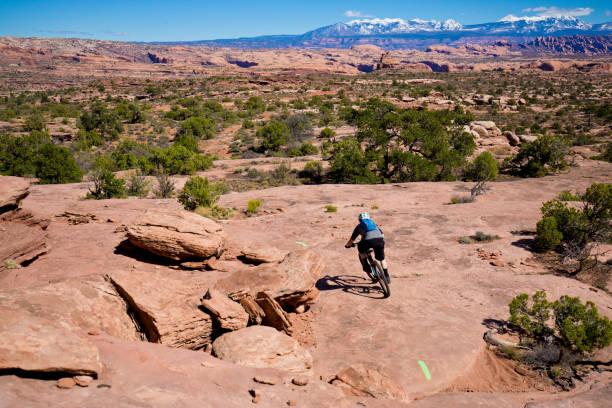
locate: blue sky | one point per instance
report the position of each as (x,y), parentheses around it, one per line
(154,20)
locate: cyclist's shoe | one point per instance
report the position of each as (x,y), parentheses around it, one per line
(387,276)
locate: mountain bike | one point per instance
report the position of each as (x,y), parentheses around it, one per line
(376,272)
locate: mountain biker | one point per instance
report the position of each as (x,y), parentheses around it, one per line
(371,237)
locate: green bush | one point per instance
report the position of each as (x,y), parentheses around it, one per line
(606,155)
(577,326)
(165,185)
(313,171)
(34,122)
(461,199)
(253,206)
(577,230)
(55,165)
(200,128)
(567,195)
(105,122)
(483,168)
(273,136)
(138,185)
(548,236)
(536,159)
(482,237)
(331,208)
(200,192)
(327,133)
(105,185)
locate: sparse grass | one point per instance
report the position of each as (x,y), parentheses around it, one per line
(331,208)
(216,212)
(465,240)
(374,207)
(11,264)
(461,200)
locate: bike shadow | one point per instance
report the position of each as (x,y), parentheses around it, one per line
(356,285)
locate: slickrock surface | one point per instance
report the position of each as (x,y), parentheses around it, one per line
(12,191)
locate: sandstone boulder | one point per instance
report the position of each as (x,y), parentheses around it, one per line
(480,131)
(527,138)
(291,282)
(513,139)
(166,309)
(177,235)
(35,344)
(264,254)
(228,314)
(487,124)
(274,315)
(12,191)
(482,99)
(262,346)
(368,381)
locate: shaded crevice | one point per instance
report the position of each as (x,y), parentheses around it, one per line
(46,375)
(143,321)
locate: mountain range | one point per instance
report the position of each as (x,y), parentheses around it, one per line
(393,33)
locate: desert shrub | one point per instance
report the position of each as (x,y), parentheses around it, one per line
(397,145)
(11,264)
(548,235)
(327,133)
(34,122)
(253,206)
(216,212)
(584,140)
(198,127)
(577,327)
(176,159)
(606,155)
(105,122)
(299,125)
(55,165)
(349,163)
(187,141)
(200,192)
(34,155)
(313,171)
(482,237)
(281,175)
(273,136)
(255,104)
(137,184)
(567,195)
(331,208)
(536,159)
(574,230)
(165,185)
(483,168)
(85,140)
(104,185)
(465,240)
(130,112)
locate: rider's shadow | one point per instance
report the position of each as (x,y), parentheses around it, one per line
(356,285)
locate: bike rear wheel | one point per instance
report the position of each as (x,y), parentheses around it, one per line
(380,274)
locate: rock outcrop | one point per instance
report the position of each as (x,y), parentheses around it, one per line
(228,314)
(386,61)
(367,380)
(291,282)
(12,191)
(263,254)
(262,346)
(177,235)
(166,309)
(20,244)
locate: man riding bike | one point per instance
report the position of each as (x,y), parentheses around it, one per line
(371,237)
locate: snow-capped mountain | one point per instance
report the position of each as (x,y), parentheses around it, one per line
(400,26)
(418,33)
(532,25)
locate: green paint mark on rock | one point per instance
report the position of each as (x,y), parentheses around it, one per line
(300,243)
(425,369)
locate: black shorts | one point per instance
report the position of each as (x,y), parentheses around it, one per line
(378,244)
